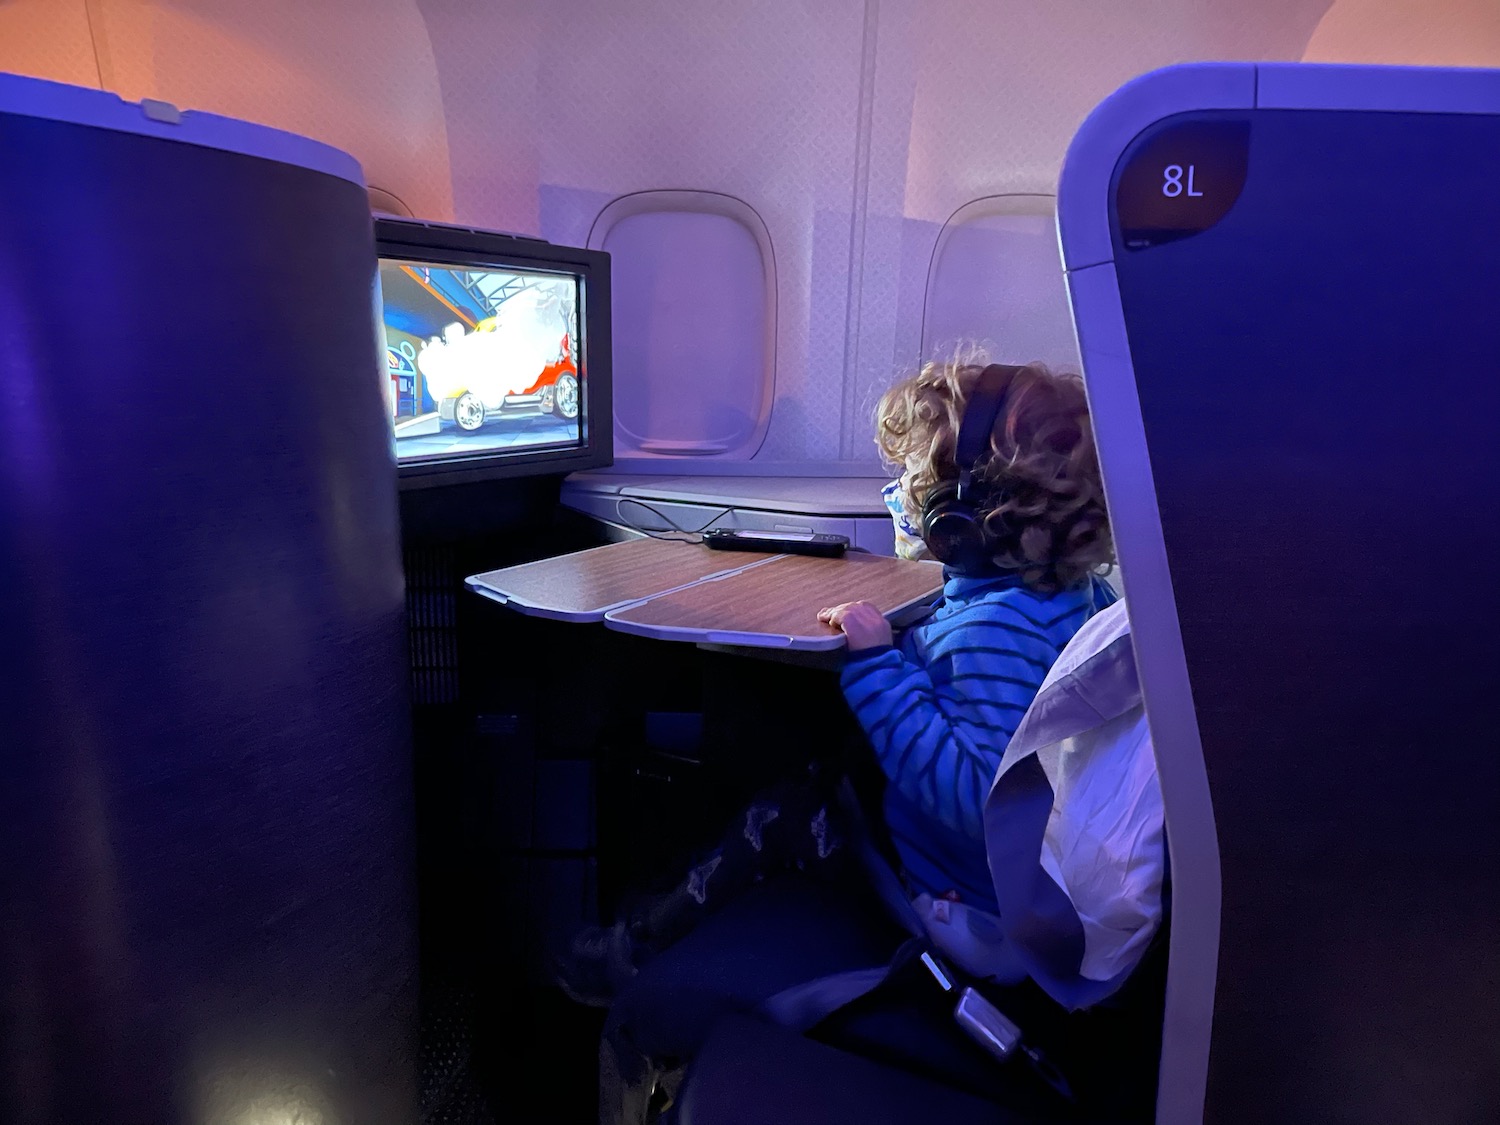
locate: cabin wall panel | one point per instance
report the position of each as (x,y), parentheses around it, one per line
(48,39)
(880,243)
(499,74)
(1002,85)
(1435,33)
(594,100)
(359,76)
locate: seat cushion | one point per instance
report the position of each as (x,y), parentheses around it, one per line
(787,931)
(753,1073)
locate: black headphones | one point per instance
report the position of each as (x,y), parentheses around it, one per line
(953,534)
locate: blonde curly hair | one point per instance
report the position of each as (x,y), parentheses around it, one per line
(1041,498)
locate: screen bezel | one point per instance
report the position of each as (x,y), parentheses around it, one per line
(410,240)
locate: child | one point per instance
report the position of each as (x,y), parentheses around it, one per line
(1022,533)
(939,709)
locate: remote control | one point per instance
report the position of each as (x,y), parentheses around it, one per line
(777,542)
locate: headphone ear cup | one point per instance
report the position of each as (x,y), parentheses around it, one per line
(943,496)
(934,509)
(952,534)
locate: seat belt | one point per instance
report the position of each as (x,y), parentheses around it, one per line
(952,929)
(802,1007)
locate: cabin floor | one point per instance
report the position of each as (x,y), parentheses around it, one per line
(496,1044)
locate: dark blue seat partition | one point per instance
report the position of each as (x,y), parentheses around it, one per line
(1286,282)
(207,900)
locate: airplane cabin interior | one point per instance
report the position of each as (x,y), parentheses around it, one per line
(696,563)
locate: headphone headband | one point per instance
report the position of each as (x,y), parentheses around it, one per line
(950,522)
(978,422)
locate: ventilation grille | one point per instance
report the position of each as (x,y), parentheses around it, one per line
(432,591)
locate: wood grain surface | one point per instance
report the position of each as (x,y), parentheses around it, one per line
(778,602)
(587,583)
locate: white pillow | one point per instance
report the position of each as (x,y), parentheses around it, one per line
(1074,823)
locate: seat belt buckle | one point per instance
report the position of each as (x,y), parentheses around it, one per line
(991,1028)
(987,1025)
(984,1023)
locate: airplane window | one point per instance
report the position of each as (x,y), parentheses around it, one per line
(996,272)
(694,313)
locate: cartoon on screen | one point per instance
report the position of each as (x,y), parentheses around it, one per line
(480,361)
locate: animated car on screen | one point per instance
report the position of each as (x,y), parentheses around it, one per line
(513,363)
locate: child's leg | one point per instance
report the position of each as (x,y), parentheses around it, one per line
(793,825)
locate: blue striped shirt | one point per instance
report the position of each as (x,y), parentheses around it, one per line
(940,708)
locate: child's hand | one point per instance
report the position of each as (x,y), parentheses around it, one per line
(863,624)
